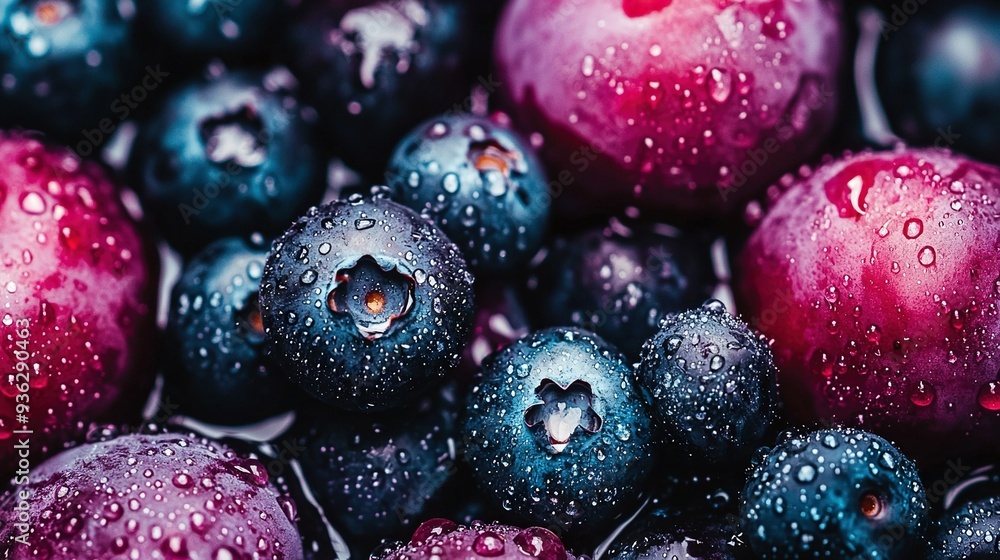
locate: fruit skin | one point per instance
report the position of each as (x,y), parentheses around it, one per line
(969,532)
(326,352)
(710,385)
(227,155)
(163,496)
(217,367)
(79,298)
(378,476)
(68,62)
(664,534)
(376,69)
(214,29)
(441,538)
(577,481)
(633,119)
(808,498)
(480,182)
(620,280)
(935,90)
(919,265)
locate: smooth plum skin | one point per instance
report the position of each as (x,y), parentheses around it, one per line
(885,319)
(78,282)
(681,107)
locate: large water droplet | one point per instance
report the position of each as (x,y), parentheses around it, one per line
(720,84)
(913,228)
(926,256)
(989,396)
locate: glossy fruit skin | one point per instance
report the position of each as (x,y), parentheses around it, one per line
(211,28)
(480,182)
(968,533)
(65,64)
(379,476)
(376,69)
(807,498)
(887,319)
(602,466)
(217,368)
(445,539)
(97,501)
(229,155)
(328,353)
(937,80)
(710,384)
(670,103)
(79,297)
(620,281)
(664,534)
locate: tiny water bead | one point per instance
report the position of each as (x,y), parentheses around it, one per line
(372,296)
(989,396)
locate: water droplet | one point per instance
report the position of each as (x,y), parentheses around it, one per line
(308,277)
(32,203)
(926,256)
(989,396)
(450,183)
(363,223)
(923,394)
(488,544)
(716,363)
(588,66)
(806,474)
(470,216)
(913,228)
(720,84)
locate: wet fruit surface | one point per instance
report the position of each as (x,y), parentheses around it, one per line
(161,497)
(689,106)
(877,276)
(365,302)
(77,301)
(441,538)
(838,493)
(556,432)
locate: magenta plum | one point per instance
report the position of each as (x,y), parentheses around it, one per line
(152,496)
(686,105)
(878,278)
(77,294)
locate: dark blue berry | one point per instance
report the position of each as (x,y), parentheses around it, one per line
(226,156)
(65,64)
(210,27)
(217,368)
(970,532)
(620,281)
(374,69)
(379,476)
(664,534)
(710,383)
(556,432)
(938,76)
(365,302)
(480,182)
(834,493)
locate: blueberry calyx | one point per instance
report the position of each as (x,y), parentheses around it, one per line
(249,322)
(51,12)
(562,411)
(372,295)
(237,136)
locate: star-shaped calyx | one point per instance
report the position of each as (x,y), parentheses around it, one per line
(562,411)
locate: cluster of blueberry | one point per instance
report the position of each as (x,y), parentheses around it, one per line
(523,280)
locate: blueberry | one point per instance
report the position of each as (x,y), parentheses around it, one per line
(620,281)
(228,155)
(64,63)
(374,69)
(556,432)
(970,532)
(210,28)
(365,302)
(664,534)
(834,493)
(710,383)
(480,182)
(937,76)
(217,368)
(378,476)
